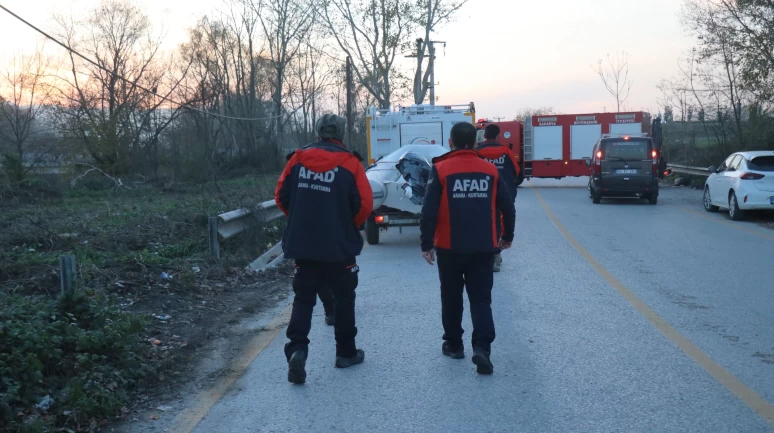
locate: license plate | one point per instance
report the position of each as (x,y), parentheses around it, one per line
(626,171)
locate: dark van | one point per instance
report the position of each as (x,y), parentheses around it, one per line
(624,166)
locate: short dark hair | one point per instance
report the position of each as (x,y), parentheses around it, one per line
(463,135)
(491,131)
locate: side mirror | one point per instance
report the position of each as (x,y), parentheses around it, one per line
(713,169)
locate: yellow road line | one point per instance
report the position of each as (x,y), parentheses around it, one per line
(739,225)
(720,374)
(188,419)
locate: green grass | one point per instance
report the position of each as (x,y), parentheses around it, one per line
(88,353)
(146,226)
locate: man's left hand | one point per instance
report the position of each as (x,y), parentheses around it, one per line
(504,245)
(429,256)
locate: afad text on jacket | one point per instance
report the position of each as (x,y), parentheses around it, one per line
(326,196)
(464,194)
(505,161)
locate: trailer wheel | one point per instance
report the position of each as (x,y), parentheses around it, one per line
(520,179)
(372,231)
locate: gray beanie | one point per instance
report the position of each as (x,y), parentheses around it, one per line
(331,126)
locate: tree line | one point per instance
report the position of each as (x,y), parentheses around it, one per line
(244,89)
(723,94)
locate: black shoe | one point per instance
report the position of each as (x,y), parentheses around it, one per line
(330,320)
(342,362)
(453,353)
(297,368)
(481,359)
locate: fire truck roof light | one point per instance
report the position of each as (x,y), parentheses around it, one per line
(626,137)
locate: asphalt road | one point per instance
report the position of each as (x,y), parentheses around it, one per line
(620,317)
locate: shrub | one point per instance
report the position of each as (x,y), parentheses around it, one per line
(81,350)
(12,164)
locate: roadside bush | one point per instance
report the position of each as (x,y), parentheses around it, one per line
(80,350)
(12,164)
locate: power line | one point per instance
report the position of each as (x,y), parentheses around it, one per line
(179,104)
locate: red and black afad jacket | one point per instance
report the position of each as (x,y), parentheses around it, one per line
(326,196)
(505,161)
(464,194)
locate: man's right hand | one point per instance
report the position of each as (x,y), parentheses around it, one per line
(504,245)
(429,256)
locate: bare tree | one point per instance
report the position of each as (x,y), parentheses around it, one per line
(751,23)
(25,93)
(286,25)
(430,15)
(111,104)
(373,33)
(311,76)
(615,77)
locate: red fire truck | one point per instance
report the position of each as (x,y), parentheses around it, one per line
(557,145)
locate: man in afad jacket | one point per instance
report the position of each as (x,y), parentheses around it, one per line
(505,161)
(464,195)
(326,196)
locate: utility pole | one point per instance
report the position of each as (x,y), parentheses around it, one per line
(498,118)
(350,119)
(418,84)
(431,45)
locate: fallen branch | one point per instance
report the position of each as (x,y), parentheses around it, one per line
(118,182)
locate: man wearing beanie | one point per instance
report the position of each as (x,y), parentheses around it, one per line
(326,196)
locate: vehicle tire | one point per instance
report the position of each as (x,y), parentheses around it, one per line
(520,179)
(596,198)
(734,212)
(708,206)
(653,199)
(372,231)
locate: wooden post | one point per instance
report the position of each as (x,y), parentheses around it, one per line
(214,242)
(66,273)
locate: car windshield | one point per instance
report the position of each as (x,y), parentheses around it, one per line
(762,163)
(629,150)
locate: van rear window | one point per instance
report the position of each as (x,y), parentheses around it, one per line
(633,150)
(761,163)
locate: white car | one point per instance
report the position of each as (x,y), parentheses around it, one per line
(744,181)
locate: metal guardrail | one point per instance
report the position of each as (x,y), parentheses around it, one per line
(230,224)
(687,169)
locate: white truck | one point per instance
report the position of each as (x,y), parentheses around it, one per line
(401,146)
(388,131)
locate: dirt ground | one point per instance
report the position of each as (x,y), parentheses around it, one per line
(147,246)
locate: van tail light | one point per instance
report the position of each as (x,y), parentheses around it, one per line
(380,219)
(598,164)
(751,176)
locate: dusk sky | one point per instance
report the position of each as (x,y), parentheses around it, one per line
(503,55)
